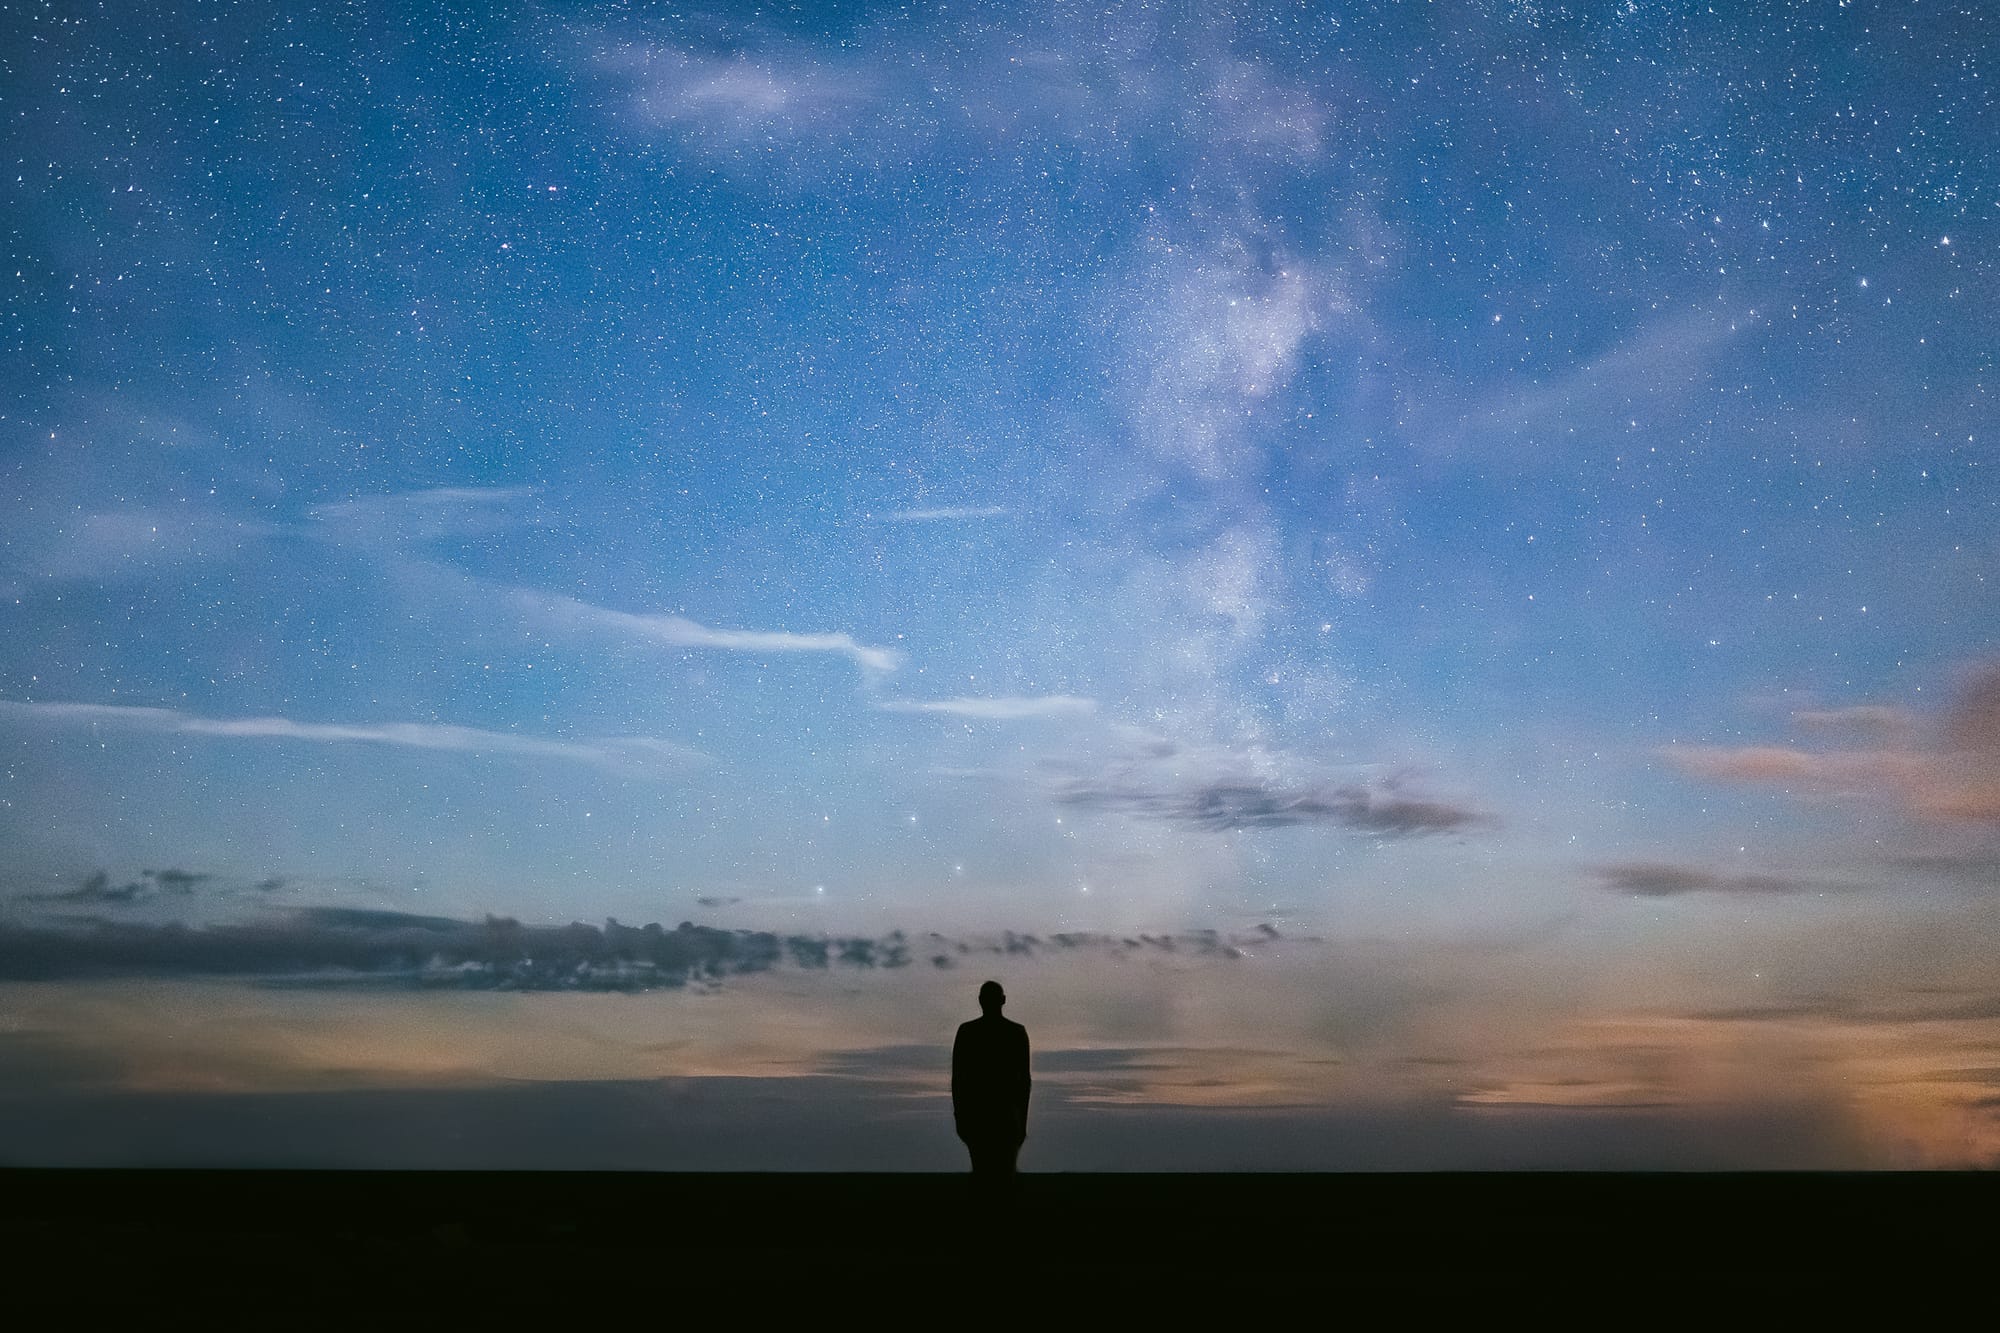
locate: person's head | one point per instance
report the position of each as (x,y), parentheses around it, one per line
(991,997)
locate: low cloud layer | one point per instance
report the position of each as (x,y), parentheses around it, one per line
(100,888)
(334,946)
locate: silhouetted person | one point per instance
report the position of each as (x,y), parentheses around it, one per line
(989,1086)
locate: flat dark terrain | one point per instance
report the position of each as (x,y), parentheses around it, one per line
(437,1237)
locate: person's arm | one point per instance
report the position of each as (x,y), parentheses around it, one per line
(1025,1084)
(957,1066)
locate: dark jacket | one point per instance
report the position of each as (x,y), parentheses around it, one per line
(989,1081)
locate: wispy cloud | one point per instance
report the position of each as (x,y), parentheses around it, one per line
(421,515)
(1944,1004)
(1870,718)
(550,609)
(1978,867)
(1005,708)
(1833,772)
(641,753)
(721,100)
(1949,772)
(137,541)
(945,514)
(1655,879)
(1651,367)
(385,524)
(140,541)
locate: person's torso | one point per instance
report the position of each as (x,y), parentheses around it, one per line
(991,1055)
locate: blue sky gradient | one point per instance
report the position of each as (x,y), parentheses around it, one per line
(1472,478)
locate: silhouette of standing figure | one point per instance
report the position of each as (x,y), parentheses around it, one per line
(989,1086)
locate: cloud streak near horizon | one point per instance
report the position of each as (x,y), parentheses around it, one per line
(636,753)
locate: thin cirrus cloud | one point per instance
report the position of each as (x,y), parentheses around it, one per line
(1004,708)
(1946,773)
(945,514)
(641,753)
(423,515)
(1656,365)
(1878,719)
(139,541)
(569,613)
(385,523)
(756,86)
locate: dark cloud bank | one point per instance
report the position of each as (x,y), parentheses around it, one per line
(1262,805)
(331,946)
(150,884)
(1654,879)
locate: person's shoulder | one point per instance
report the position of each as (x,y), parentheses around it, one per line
(1012,1026)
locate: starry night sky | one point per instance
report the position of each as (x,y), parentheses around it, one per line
(1448,551)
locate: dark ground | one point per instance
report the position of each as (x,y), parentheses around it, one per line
(322,1241)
